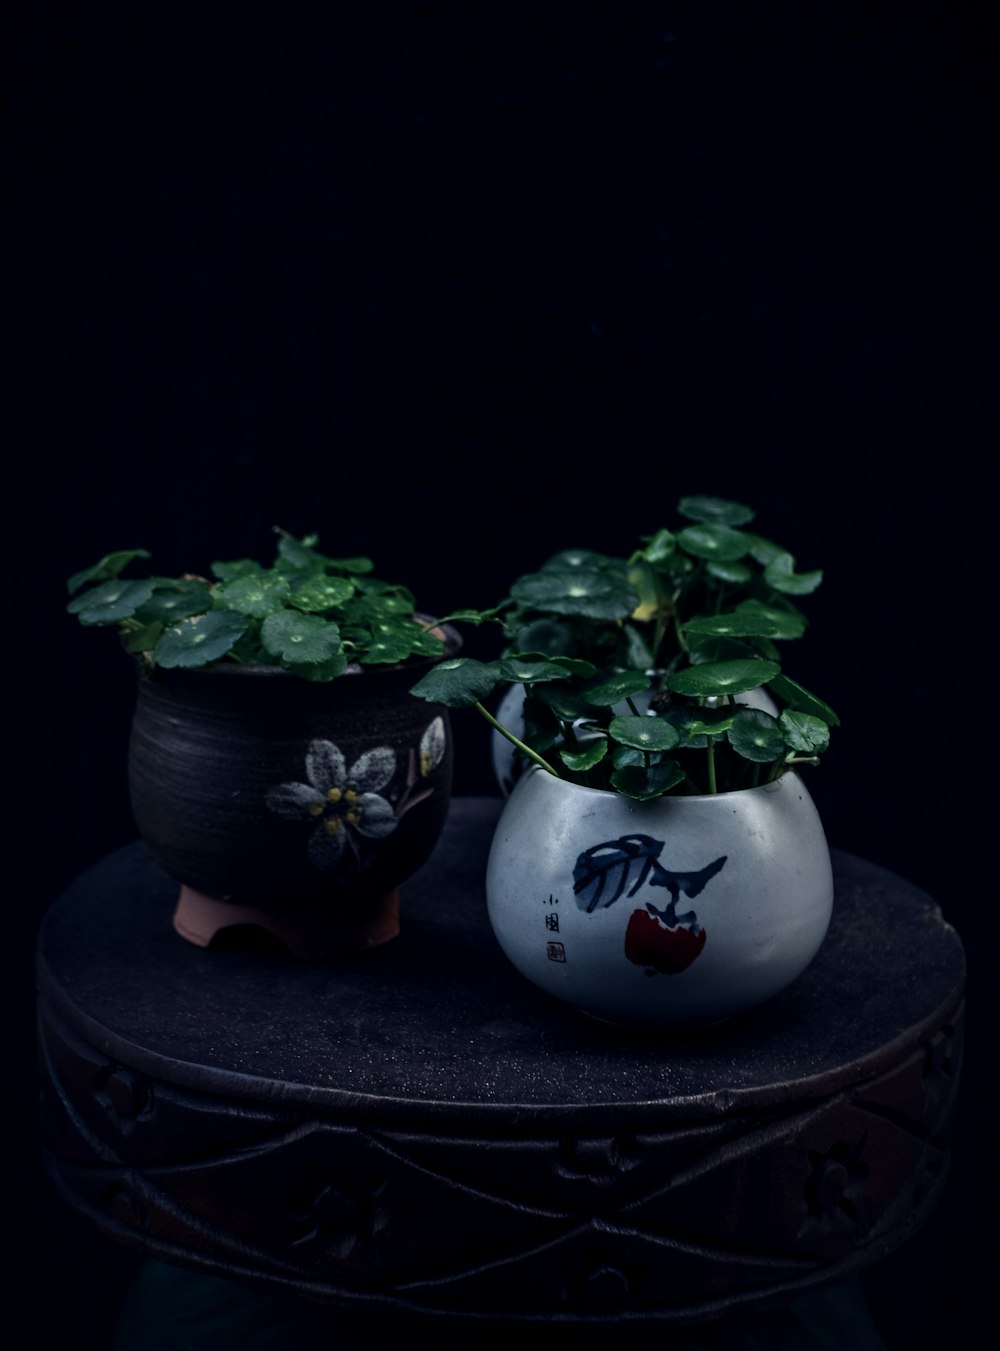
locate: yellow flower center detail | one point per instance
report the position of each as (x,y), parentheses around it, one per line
(332,825)
(333,795)
(425,763)
(352,818)
(350,797)
(315,809)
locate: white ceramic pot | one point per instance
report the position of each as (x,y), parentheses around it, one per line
(510,711)
(679,910)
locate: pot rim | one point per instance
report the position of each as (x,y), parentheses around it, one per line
(773,787)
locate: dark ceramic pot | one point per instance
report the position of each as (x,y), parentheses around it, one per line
(287,806)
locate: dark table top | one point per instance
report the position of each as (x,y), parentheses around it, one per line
(438,1023)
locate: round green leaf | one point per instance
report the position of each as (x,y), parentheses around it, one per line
(715,510)
(568,560)
(528,671)
(738,624)
(722,677)
(644,733)
(320,593)
(458,682)
(257,597)
(298,638)
(780,573)
(587,592)
(111,602)
(803,732)
(756,736)
(239,567)
(714,542)
(587,758)
(198,641)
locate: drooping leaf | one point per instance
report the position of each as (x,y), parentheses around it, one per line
(602,873)
(644,733)
(714,542)
(111,601)
(715,510)
(586,758)
(550,636)
(659,547)
(736,573)
(780,573)
(788,622)
(356,567)
(238,567)
(566,701)
(299,638)
(616,688)
(800,699)
(803,732)
(637,655)
(459,682)
(643,782)
(756,736)
(105,568)
(722,677)
(143,639)
(763,550)
(198,641)
(172,600)
(319,672)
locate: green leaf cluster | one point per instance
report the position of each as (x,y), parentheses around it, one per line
(639,670)
(305,611)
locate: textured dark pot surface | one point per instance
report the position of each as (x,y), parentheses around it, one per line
(252,785)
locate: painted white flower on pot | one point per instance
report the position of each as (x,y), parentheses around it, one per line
(432,746)
(338,799)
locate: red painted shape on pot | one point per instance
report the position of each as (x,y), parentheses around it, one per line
(650,943)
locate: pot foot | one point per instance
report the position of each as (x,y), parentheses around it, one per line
(209,922)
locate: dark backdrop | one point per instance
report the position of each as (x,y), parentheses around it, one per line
(458,285)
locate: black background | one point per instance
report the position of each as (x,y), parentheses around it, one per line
(458,285)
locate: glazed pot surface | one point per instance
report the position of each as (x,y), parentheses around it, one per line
(678,910)
(253,786)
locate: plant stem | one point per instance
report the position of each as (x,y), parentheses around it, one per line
(711,764)
(532,755)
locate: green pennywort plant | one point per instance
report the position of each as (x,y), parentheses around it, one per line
(309,613)
(659,673)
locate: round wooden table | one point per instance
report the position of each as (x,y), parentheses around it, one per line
(417,1131)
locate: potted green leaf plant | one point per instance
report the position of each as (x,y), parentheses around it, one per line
(279,769)
(662,741)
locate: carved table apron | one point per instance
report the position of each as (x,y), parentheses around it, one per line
(418,1130)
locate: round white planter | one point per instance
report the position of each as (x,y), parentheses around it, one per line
(680,910)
